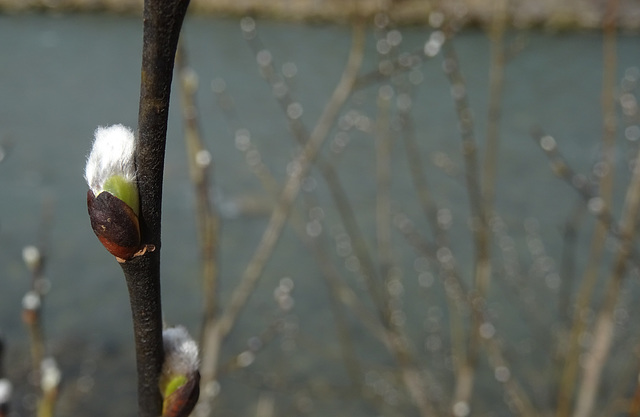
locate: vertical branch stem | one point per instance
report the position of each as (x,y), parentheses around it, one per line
(396,341)
(430,210)
(479,225)
(162,23)
(383,191)
(604,327)
(496,84)
(606,194)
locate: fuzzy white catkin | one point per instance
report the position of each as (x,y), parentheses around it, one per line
(5,391)
(112,154)
(50,374)
(180,352)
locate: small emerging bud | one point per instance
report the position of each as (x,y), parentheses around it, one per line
(50,374)
(113,200)
(180,379)
(32,257)
(31,303)
(50,377)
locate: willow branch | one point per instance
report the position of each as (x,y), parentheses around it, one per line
(162,23)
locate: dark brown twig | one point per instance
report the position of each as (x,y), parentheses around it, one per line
(162,23)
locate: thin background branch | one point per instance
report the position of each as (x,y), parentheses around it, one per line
(303,163)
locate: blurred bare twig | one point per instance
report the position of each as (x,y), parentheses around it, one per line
(598,239)
(487,332)
(327,170)
(278,218)
(45,372)
(479,221)
(496,86)
(200,167)
(604,326)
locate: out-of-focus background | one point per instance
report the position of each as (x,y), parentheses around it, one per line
(68,66)
(568,14)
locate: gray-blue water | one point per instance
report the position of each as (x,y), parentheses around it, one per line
(61,76)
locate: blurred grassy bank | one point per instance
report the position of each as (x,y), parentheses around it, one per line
(552,14)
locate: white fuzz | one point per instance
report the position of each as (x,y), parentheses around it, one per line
(180,352)
(5,391)
(31,255)
(51,375)
(112,154)
(31,301)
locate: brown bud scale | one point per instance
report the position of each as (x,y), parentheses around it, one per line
(181,402)
(115,224)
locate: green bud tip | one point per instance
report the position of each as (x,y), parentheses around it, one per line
(111,164)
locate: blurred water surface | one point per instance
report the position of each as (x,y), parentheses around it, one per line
(61,76)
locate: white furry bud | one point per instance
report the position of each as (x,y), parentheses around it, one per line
(180,352)
(31,256)
(113,201)
(50,374)
(180,379)
(112,154)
